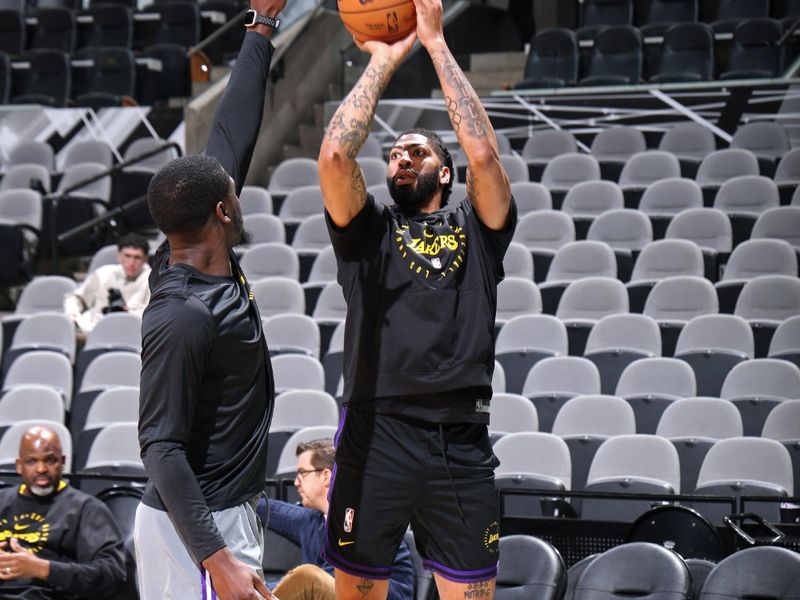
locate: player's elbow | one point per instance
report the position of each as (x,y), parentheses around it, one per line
(331,159)
(483,157)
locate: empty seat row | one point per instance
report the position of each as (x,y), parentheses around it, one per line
(687,54)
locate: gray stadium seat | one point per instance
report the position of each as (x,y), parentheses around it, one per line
(625,230)
(113,405)
(565,170)
(693,425)
(42,331)
(645,464)
(517,262)
(768,140)
(523,341)
(782,223)
(107,255)
(324,270)
(743,199)
(787,174)
(32,152)
(585,201)
(498,379)
(292,333)
(584,423)
(744,466)
(42,367)
(553,380)
(766,572)
(757,386)
(709,228)
(371,148)
(116,445)
(297,372)
(674,301)
(766,301)
(311,237)
(665,198)
(88,150)
(27,176)
(276,295)
(690,142)
(638,569)
(722,165)
(659,260)
(530,196)
(586,301)
(331,306)
(113,333)
(515,167)
(649,385)
(531,461)
(287,461)
(712,345)
(573,261)
(293,173)
(751,259)
(300,203)
(645,168)
(515,297)
(544,145)
(32,401)
(270,259)
(783,425)
(299,408)
(255,200)
(613,147)
(618,340)
(511,413)
(785,343)
(264,228)
(543,232)
(373,168)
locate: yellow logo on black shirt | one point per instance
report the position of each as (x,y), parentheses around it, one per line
(31,529)
(436,250)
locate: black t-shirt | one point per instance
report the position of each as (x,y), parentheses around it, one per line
(75,532)
(421,292)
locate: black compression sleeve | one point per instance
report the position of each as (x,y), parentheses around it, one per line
(238,119)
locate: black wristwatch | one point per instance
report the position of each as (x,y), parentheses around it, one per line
(252,18)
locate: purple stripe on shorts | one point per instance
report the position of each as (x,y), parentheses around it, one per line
(461,576)
(352,568)
(338,433)
(203,583)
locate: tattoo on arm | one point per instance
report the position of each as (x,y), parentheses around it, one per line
(357,183)
(463,106)
(365,587)
(351,123)
(478,589)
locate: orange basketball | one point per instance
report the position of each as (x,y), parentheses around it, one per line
(382,20)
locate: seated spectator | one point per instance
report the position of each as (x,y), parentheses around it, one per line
(57,542)
(111,288)
(305,525)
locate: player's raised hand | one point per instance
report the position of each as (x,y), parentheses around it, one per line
(429,21)
(396,51)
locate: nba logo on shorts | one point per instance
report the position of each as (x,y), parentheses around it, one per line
(348,520)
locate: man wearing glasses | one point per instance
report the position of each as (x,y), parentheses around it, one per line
(305,526)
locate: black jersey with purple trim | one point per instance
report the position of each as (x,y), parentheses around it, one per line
(421,292)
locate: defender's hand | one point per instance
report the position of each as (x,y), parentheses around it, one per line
(232,579)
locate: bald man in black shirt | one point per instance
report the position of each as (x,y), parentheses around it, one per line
(206,385)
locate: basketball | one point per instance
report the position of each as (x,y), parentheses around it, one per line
(380,20)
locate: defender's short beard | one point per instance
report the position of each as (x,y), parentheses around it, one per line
(413,197)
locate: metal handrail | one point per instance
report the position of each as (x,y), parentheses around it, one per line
(56,239)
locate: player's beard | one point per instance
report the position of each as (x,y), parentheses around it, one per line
(245,236)
(42,491)
(414,196)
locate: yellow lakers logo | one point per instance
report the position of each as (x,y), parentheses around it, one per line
(432,251)
(491,537)
(31,529)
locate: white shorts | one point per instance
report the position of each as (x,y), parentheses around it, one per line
(165,568)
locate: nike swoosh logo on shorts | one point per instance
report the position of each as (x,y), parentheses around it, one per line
(341,543)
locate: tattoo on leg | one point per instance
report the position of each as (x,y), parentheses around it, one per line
(478,589)
(365,587)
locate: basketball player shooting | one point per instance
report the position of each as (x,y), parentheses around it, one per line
(421,287)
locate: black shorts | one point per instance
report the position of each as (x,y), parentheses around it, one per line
(391,472)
